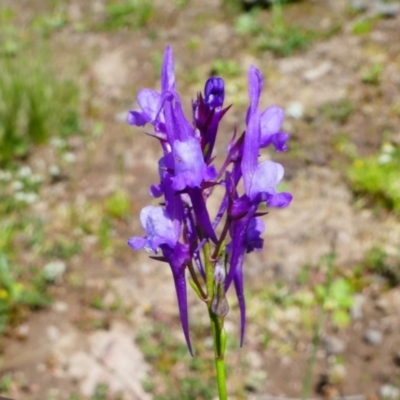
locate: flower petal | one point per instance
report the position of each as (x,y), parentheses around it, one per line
(137,118)
(253,240)
(280,200)
(159,227)
(167,72)
(137,243)
(190,168)
(265,179)
(149,102)
(271,120)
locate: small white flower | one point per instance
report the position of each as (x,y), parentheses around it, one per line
(31,197)
(384,158)
(69,157)
(17,185)
(28,198)
(36,179)
(54,170)
(5,176)
(57,143)
(388,148)
(54,271)
(24,172)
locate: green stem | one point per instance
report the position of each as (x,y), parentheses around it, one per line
(217,325)
(219,337)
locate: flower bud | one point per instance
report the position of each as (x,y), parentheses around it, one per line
(219,273)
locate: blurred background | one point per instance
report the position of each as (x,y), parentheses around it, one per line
(84,317)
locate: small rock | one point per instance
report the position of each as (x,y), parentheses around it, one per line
(337,373)
(318,72)
(254,359)
(295,110)
(373,337)
(22,332)
(53,333)
(356,310)
(60,307)
(358,5)
(333,345)
(255,381)
(388,10)
(121,116)
(382,304)
(54,271)
(389,392)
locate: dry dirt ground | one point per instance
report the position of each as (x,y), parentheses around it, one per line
(75,345)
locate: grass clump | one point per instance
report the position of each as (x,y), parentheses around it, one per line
(377,179)
(16,297)
(133,14)
(34,105)
(276,36)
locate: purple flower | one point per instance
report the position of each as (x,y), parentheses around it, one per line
(260,182)
(189,166)
(181,228)
(151,101)
(271,120)
(159,228)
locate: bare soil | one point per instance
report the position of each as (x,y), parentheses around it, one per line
(111,67)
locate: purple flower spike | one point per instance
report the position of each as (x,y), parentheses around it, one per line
(181,227)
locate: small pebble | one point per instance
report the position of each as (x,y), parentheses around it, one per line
(22,332)
(373,337)
(389,392)
(54,271)
(60,307)
(53,333)
(333,345)
(358,5)
(356,310)
(295,110)
(388,10)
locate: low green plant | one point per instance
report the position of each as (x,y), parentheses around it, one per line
(376,178)
(118,204)
(46,24)
(363,26)
(338,112)
(373,75)
(337,299)
(197,383)
(378,262)
(277,36)
(226,68)
(11,37)
(16,296)
(33,105)
(133,14)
